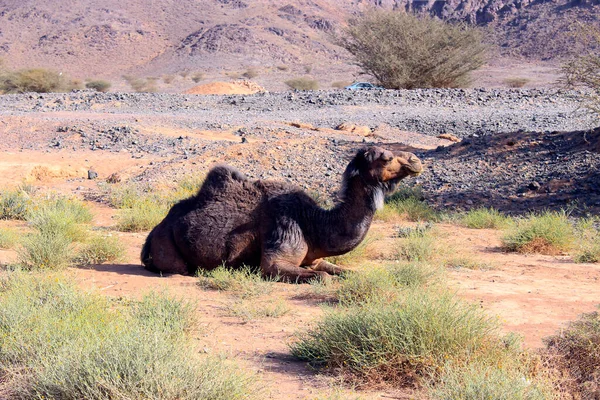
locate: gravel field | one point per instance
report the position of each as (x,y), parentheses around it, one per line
(520,149)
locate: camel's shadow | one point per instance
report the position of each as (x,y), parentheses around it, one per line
(122,269)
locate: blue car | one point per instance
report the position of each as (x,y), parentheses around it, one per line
(362,86)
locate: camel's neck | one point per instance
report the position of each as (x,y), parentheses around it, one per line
(346,225)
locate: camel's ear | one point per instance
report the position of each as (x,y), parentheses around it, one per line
(376,153)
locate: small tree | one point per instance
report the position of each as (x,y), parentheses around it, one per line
(584,70)
(98,85)
(406,51)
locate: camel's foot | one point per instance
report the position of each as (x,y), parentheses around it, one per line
(325,266)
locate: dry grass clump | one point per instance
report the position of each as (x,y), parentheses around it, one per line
(14,204)
(197,77)
(243,282)
(464,261)
(405,51)
(302,84)
(36,80)
(576,349)
(100,249)
(143,215)
(57,342)
(417,246)
(516,82)
(8,238)
(484,218)
(588,242)
(168,79)
(141,84)
(98,85)
(549,232)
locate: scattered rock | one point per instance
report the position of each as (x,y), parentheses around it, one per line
(92,174)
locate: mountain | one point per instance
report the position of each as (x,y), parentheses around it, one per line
(108,38)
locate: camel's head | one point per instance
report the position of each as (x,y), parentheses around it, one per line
(382,168)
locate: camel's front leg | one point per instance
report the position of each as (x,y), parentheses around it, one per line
(325,266)
(273,266)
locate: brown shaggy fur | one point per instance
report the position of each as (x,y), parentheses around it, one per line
(235,221)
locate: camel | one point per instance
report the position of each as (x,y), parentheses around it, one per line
(235,221)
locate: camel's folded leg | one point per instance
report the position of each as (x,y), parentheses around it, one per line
(322,265)
(288,272)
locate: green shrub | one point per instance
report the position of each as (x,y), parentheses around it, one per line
(14,204)
(404,51)
(143,215)
(303,84)
(550,232)
(51,250)
(8,238)
(588,244)
(399,340)
(35,80)
(244,282)
(479,381)
(98,85)
(100,249)
(60,217)
(578,349)
(485,218)
(516,82)
(57,342)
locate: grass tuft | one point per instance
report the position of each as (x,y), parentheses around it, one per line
(46,250)
(60,216)
(409,203)
(58,342)
(143,215)
(417,246)
(485,218)
(249,310)
(550,232)
(398,340)
(302,84)
(8,238)
(244,282)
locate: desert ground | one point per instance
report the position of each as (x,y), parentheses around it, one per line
(497,144)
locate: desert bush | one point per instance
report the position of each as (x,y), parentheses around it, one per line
(479,381)
(197,77)
(549,232)
(405,51)
(303,84)
(249,310)
(399,340)
(57,342)
(168,79)
(100,249)
(98,85)
(484,218)
(243,282)
(60,216)
(36,80)
(340,84)
(516,82)
(8,238)
(251,73)
(184,74)
(283,68)
(14,204)
(46,250)
(308,69)
(578,349)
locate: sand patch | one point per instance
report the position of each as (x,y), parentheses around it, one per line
(235,87)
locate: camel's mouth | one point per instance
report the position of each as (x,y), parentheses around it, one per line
(411,165)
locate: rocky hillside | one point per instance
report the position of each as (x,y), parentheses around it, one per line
(110,38)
